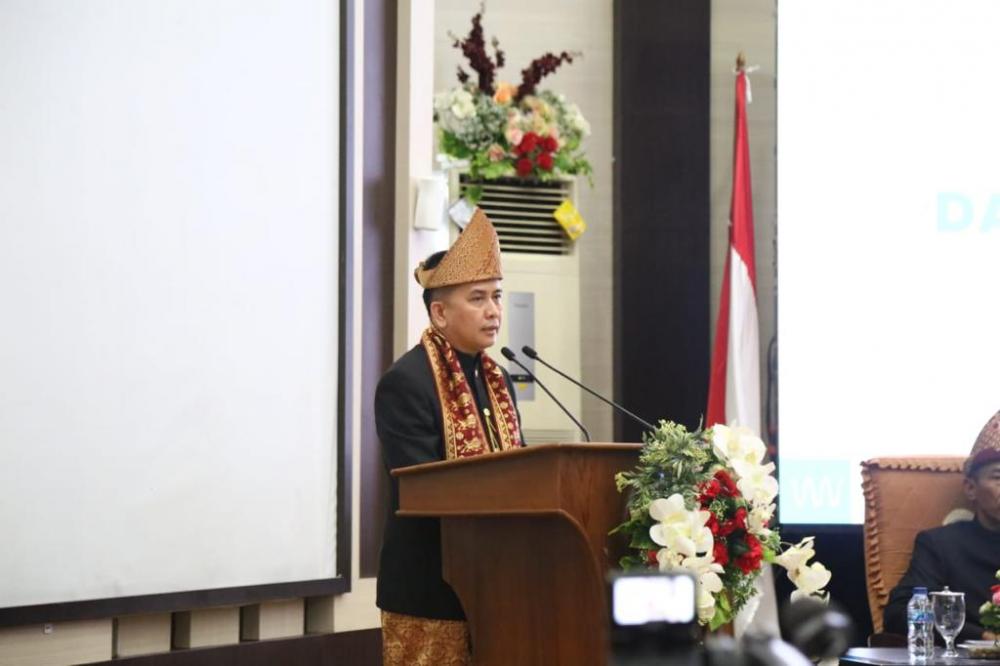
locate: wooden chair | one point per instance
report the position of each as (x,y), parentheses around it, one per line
(903,496)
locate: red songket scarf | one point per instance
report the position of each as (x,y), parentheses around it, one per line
(465,433)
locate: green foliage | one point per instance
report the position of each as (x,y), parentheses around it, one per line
(452,145)
(474,193)
(675,461)
(989,616)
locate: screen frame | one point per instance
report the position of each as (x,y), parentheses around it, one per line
(250,594)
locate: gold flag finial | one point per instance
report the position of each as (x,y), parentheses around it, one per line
(741,62)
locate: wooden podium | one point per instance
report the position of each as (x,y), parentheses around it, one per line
(524,538)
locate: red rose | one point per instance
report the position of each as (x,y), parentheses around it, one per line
(545,161)
(728,485)
(528,143)
(712,523)
(720,553)
(549,144)
(740,519)
(995,589)
(750,560)
(651,557)
(727,528)
(748,563)
(524,167)
(709,491)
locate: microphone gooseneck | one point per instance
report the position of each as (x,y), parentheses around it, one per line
(510,356)
(532,354)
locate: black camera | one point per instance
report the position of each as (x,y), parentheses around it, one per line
(653,617)
(654,622)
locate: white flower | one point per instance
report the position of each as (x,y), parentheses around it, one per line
(668,560)
(709,584)
(796,556)
(462,104)
(737,443)
(576,120)
(539,125)
(759,518)
(823,597)
(810,580)
(677,528)
(756,482)
(706,572)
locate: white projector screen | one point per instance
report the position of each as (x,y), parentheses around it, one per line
(888,239)
(169,290)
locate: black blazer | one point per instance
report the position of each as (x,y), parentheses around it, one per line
(408,420)
(965,556)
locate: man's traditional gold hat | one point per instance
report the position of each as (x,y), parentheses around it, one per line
(475,256)
(987,446)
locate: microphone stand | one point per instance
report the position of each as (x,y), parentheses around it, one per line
(510,356)
(532,354)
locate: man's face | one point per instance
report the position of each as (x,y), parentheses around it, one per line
(469,315)
(983,489)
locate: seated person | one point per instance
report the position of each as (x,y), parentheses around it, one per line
(965,555)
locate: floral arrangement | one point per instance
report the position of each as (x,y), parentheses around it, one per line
(506,130)
(989,612)
(704,501)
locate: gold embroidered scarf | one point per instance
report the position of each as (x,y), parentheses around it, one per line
(465,433)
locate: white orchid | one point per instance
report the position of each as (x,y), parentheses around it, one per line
(706,572)
(756,482)
(759,518)
(668,560)
(810,580)
(679,529)
(796,556)
(737,443)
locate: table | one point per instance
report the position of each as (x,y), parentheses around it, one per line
(899,656)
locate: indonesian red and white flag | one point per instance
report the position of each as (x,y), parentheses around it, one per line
(734,385)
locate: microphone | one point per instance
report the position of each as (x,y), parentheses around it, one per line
(509,355)
(532,354)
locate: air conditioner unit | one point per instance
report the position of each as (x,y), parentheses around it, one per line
(541,298)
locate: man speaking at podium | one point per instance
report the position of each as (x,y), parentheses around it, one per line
(443,399)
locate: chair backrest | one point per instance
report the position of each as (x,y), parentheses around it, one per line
(902,497)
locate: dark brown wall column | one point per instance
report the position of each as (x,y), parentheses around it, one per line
(662,319)
(377,250)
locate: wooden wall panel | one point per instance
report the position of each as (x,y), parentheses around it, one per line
(353,648)
(662,230)
(378,229)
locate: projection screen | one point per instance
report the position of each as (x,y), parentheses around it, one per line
(169,287)
(888,239)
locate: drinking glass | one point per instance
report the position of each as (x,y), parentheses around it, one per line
(949,617)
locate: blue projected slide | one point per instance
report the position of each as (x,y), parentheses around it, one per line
(888,206)
(815,491)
